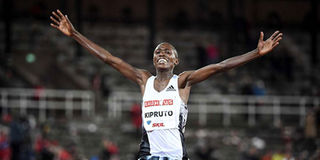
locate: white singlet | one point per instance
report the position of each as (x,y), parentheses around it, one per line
(164,117)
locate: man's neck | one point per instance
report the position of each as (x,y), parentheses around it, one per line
(165,75)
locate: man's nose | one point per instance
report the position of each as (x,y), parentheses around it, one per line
(162,53)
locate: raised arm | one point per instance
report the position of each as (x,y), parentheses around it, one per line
(189,78)
(63,24)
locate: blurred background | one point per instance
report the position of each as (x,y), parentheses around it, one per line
(59,102)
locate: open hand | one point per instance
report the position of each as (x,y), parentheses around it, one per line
(62,23)
(266,46)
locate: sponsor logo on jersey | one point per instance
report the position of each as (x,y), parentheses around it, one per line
(157,125)
(148,122)
(158,114)
(171,88)
(165,102)
(152,103)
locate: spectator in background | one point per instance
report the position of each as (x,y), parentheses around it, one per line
(63,154)
(7,118)
(42,150)
(136,117)
(59,153)
(96,85)
(38,10)
(109,150)
(310,127)
(310,132)
(267,156)
(246,88)
(317,115)
(5,153)
(16,138)
(104,85)
(279,155)
(96,81)
(212,54)
(39,89)
(26,149)
(258,88)
(204,150)
(251,154)
(201,55)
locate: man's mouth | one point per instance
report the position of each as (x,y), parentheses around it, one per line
(162,60)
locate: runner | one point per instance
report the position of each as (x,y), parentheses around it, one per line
(165,95)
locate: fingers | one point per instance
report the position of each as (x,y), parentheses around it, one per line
(54,26)
(277,36)
(59,12)
(275,44)
(59,16)
(68,19)
(278,39)
(54,20)
(274,35)
(56,15)
(261,36)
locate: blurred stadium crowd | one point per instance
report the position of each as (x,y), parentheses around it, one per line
(33,55)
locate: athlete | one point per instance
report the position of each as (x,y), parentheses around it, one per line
(165,95)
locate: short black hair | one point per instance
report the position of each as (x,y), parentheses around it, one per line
(173,48)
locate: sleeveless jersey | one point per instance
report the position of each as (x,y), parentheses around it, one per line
(164,116)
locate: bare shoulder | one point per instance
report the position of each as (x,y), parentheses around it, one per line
(144,75)
(183,78)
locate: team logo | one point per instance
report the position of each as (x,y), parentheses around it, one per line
(171,88)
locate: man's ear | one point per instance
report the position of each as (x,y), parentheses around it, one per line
(176,61)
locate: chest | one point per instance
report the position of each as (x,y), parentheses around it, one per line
(160,85)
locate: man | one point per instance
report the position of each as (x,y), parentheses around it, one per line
(164,109)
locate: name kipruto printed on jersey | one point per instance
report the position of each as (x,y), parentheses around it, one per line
(157,114)
(165,102)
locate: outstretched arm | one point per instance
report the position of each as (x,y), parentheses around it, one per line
(63,24)
(192,77)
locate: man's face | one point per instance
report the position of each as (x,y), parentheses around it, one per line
(164,57)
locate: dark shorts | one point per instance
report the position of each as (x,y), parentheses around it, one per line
(155,158)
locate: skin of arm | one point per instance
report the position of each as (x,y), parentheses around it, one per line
(189,78)
(130,72)
(196,76)
(192,77)
(62,23)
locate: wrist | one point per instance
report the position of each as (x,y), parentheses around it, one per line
(257,52)
(74,33)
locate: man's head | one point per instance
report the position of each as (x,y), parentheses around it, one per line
(165,56)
